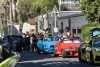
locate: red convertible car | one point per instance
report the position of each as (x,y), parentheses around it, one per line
(66,47)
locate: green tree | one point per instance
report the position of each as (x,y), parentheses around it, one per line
(33,8)
(64,8)
(44,6)
(1,7)
(91,10)
(25,7)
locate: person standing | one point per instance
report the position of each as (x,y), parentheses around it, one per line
(27,41)
(23,42)
(34,42)
(66,33)
(31,43)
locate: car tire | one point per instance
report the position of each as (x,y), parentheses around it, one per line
(55,55)
(79,57)
(64,54)
(38,51)
(92,59)
(44,52)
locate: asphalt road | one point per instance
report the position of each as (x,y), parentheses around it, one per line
(32,59)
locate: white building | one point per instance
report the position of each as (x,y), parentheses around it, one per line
(71,4)
(42,23)
(72,19)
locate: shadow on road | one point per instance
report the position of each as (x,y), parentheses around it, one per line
(33,59)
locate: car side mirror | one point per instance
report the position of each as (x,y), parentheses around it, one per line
(88,49)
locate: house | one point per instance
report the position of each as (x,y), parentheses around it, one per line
(33,25)
(30,26)
(71,19)
(73,5)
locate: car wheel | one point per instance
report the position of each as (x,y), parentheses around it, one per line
(91,58)
(55,55)
(79,57)
(45,52)
(64,54)
(38,51)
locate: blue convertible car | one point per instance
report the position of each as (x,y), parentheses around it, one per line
(47,44)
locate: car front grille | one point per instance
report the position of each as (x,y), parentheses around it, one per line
(97,58)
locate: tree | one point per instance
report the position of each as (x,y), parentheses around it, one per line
(33,8)
(2,2)
(64,8)
(91,10)
(25,7)
(44,6)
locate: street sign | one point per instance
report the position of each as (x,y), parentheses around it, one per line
(55,29)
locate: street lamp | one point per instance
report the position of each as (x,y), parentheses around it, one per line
(55,13)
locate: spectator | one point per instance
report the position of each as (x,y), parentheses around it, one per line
(23,42)
(34,44)
(27,41)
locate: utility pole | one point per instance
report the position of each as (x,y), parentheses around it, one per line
(60,2)
(55,13)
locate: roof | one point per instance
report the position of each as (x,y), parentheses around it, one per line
(32,21)
(71,16)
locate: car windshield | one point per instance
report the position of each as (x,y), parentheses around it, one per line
(76,39)
(51,39)
(96,43)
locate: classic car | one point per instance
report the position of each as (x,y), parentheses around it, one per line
(89,50)
(47,44)
(67,47)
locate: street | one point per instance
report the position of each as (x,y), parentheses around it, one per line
(32,59)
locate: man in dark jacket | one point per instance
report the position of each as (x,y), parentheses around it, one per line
(27,41)
(34,42)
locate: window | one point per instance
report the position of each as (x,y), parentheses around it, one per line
(41,25)
(74,31)
(78,31)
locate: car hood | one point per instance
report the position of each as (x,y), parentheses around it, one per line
(96,48)
(49,42)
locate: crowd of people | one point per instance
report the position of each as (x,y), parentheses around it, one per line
(22,42)
(28,42)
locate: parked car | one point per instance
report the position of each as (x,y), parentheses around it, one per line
(47,44)
(67,47)
(90,50)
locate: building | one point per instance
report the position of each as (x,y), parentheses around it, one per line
(71,19)
(42,22)
(33,24)
(71,4)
